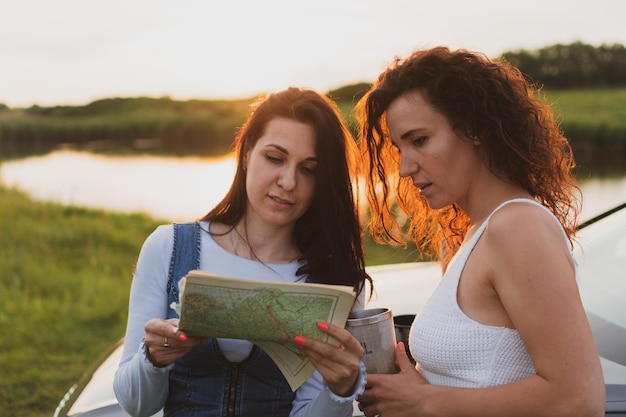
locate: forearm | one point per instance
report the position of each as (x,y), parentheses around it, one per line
(532,396)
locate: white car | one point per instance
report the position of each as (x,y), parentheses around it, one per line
(403,288)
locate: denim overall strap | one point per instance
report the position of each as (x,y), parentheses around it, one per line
(185,257)
(203,382)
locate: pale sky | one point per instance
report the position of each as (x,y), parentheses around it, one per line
(71,52)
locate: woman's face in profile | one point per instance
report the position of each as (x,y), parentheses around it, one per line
(441,164)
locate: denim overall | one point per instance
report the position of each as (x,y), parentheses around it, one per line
(203,382)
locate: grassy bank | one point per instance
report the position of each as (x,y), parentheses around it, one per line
(595,123)
(65,274)
(591,106)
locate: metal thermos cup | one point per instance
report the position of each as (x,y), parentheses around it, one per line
(374,329)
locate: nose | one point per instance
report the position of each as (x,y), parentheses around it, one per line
(287,178)
(407,167)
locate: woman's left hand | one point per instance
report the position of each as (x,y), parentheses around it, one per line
(338,365)
(394,394)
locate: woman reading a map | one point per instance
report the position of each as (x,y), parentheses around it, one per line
(289,216)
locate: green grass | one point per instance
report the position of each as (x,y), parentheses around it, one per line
(595,123)
(65,275)
(592,107)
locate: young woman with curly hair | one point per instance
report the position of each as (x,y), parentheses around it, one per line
(477,163)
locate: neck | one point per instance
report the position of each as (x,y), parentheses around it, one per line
(483,200)
(267,246)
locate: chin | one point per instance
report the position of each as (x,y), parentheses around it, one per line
(433,205)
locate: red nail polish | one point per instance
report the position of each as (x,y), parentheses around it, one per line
(322,326)
(182,337)
(299,340)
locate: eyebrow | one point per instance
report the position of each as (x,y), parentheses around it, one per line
(285,151)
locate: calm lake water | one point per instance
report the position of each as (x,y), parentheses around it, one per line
(175,189)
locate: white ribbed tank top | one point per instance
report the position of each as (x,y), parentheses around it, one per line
(454,350)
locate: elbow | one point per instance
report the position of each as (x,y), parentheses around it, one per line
(140,390)
(595,404)
(593,399)
(591,403)
(122,394)
(587,408)
(130,400)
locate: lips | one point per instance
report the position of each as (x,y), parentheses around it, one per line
(280,200)
(422,185)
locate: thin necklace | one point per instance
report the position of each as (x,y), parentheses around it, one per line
(232,241)
(241,238)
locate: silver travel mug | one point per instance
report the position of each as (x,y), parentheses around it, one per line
(374,329)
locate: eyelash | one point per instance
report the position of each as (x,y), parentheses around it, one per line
(277,160)
(273,159)
(309,171)
(416,141)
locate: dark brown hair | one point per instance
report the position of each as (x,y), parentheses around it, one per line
(329,233)
(485,100)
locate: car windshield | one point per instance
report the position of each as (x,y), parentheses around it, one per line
(603,289)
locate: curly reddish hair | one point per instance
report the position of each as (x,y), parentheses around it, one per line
(485,100)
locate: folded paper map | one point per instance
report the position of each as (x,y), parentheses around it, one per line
(267,313)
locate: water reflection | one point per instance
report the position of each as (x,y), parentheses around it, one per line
(169,188)
(175,189)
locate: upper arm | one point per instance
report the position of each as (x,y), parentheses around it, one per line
(533,273)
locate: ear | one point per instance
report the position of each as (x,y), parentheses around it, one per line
(245,161)
(475,140)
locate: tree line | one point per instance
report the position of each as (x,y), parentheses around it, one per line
(206,127)
(577,65)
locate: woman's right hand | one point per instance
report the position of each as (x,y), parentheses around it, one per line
(165,343)
(338,365)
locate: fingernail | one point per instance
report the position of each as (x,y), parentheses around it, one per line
(182,337)
(322,326)
(299,340)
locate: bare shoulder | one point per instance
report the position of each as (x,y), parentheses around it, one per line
(523,223)
(527,249)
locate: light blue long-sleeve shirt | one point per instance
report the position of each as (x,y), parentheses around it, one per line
(142,388)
